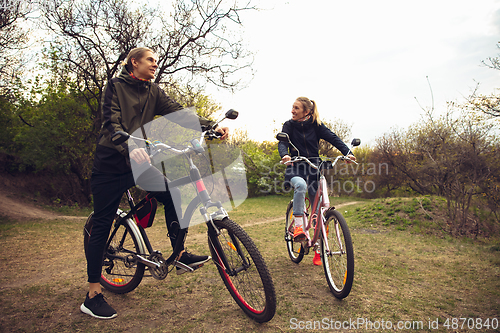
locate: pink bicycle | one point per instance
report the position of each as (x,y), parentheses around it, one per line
(331,237)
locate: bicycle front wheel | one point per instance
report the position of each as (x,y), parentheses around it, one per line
(121,273)
(243,270)
(295,250)
(338,261)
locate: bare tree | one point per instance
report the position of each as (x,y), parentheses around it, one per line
(489,105)
(90,39)
(492,62)
(452,156)
(13,38)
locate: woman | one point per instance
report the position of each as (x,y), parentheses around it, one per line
(305,129)
(129,102)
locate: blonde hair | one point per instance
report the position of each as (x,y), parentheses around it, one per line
(310,105)
(137,53)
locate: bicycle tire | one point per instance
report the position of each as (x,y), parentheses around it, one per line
(119,274)
(295,250)
(252,286)
(338,265)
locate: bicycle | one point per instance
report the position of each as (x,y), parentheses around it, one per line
(129,253)
(331,237)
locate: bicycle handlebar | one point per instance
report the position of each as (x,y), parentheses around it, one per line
(209,133)
(196,144)
(305,159)
(283,137)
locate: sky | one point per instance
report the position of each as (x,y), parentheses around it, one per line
(364,62)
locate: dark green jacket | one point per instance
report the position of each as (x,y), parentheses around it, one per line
(128,103)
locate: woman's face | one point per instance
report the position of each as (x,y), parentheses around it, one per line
(298,111)
(145,67)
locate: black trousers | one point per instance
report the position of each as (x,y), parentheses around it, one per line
(107,191)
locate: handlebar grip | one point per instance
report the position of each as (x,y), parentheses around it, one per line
(212,134)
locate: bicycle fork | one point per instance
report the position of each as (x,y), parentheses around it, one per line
(222,260)
(325,231)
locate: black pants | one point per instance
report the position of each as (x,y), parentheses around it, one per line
(107,191)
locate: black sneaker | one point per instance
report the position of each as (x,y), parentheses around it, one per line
(97,307)
(191,260)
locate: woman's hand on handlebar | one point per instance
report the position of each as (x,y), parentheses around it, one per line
(139,155)
(285,159)
(351,158)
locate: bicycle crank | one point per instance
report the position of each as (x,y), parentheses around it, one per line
(160,270)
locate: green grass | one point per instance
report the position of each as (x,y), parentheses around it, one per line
(406,269)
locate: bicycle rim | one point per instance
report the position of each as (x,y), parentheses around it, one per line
(295,250)
(120,274)
(338,263)
(246,275)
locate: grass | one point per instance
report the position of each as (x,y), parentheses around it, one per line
(406,270)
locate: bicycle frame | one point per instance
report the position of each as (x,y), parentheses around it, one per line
(202,197)
(319,207)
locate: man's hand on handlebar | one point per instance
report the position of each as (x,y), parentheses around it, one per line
(224,131)
(139,155)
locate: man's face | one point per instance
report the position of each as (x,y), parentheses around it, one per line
(145,67)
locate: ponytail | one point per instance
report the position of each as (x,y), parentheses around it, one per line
(310,106)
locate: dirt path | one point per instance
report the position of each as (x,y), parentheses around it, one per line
(21,209)
(263,221)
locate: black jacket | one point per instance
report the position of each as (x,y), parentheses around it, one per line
(305,136)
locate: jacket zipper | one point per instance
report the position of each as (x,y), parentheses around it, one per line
(305,143)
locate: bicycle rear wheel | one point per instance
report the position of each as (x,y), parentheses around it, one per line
(121,273)
(243,270)
(295,250)
(338,263)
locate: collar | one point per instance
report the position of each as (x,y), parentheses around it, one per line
(133,76)
(305,119)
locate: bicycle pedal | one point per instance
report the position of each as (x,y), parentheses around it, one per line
(180,265)
(196,267)
(300,239)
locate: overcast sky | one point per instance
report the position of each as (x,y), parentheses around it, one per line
(364,61)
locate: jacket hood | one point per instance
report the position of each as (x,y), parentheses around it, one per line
(125,75)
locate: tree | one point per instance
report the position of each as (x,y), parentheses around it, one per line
(489,105)
(451,156)
(13,38)
(193,97)
(90,39)
(8,125)
(57,137)
(343,131)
